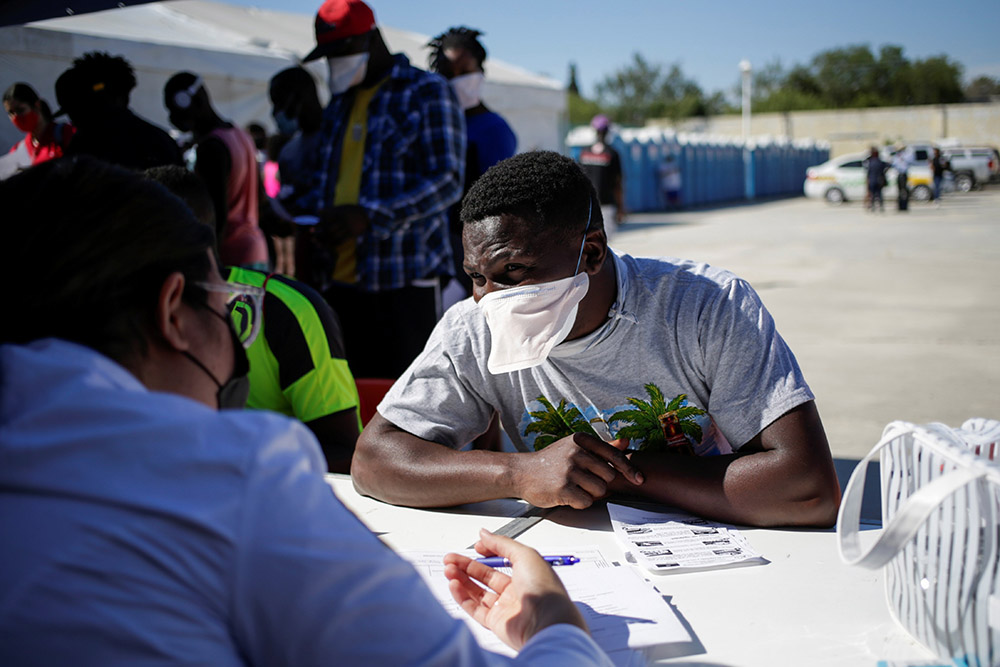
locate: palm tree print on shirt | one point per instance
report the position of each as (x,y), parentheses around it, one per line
(660,426)
(555,422)
(657,425)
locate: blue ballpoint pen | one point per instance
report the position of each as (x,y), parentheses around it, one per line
(499,561)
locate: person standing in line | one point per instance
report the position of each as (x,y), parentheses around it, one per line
(603,166)
(392,162)
(901,162)
(938,165)
(44,138)
(458,56)
(670,182)
(298,114)
(875,170)
(95,93)
(226,158)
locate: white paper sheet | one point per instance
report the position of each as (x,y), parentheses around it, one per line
(622,611)
(665,542)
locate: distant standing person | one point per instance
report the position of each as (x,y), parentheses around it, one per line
(458,56)
(670,182)
(876,180)
(95,93)
(226,158)
(603,166)
(44,138)
(901,163)
(938,166)
(298,114)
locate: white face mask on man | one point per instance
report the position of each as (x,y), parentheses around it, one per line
(347,71)
(527,322)
(468,88)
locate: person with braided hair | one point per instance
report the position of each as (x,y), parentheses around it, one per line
(95,93)
(458,56)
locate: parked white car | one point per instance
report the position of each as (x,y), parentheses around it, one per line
(844,178)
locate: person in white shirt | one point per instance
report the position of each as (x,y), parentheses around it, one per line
(141,523)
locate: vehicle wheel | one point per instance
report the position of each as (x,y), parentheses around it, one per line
(835,196)
(964,182)
(921,193)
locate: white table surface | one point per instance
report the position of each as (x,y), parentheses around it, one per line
(804,607)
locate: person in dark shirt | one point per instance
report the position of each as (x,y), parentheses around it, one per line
(603,166)
(876,180)
(458,56)
(95,93)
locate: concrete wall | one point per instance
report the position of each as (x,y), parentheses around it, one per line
(851,130)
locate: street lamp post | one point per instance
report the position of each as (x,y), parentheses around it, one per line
(745,69)
(749,191)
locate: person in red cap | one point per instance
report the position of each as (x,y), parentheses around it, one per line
(603,166)
(392,161)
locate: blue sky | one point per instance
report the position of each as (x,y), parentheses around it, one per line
(707,38)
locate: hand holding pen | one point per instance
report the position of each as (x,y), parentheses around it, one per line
(514,606)
(497,561)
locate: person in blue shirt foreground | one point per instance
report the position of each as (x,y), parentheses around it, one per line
(140,523)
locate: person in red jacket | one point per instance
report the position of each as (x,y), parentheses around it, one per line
(44,138)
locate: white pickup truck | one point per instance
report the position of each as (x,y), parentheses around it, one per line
(972,165)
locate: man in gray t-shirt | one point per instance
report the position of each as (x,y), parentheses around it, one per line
(660,378)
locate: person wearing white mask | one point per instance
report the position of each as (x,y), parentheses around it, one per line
(458,56)
(391,163)
(660,378)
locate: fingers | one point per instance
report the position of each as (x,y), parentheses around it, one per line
(609,454)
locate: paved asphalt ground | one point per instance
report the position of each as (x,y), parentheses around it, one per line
(892,316)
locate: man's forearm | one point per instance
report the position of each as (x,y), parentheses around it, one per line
(757,489)
(399,468)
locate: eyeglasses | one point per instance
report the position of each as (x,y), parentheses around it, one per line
(245,304)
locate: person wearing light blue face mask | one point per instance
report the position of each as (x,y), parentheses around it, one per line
(653,377)
(392,159)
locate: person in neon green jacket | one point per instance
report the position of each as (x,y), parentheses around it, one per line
(297,362)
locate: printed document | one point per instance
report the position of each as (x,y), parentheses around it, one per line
(679,542)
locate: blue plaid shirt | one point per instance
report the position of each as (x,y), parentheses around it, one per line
(413,170)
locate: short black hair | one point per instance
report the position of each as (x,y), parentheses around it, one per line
(182,81)
(546,189)
(100,242)
(461,37)
(189,187)
(104,74)
(291,81)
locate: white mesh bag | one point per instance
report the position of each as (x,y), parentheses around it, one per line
(940,542)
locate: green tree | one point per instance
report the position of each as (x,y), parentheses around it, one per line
(982,88)
(572,88)
(580,109)
(555,422)
(854,77)
(643,420)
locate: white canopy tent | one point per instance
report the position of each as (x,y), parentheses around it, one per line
(237,50)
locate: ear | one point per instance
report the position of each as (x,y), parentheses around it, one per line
(172,315)
(595,250)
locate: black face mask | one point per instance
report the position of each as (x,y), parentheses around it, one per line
(232,393)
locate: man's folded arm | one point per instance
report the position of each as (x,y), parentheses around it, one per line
(783,477)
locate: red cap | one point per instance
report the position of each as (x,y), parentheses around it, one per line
(340,19)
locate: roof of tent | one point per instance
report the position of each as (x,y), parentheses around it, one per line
(237,49)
